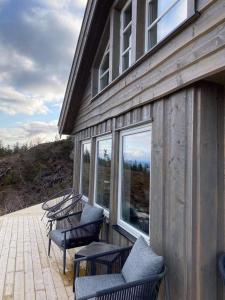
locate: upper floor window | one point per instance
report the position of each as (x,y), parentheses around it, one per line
(104,70)
(126,35)
(162,17)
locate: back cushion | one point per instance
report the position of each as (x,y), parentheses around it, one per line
(90,214)
(142,262)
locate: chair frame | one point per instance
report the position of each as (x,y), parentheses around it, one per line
(55,213)
(62,193)
(126,290)
(83,226)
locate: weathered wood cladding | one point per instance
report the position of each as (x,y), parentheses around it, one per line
(187,225)
(195,53)
(187,185)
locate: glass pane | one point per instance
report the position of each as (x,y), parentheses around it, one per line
(164,5)
(103,172)
(127,39)
(105,64)
(172,19)
(127,16)
(152,11)
(136,150)
(104,81)
(152,37)
(126,59)
(86,159)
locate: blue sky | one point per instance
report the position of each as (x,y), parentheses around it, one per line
(37,44)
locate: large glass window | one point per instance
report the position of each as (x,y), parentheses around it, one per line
(85,168)
(162,17)
(134,179)
(104,70)
(126,35)
(103,171)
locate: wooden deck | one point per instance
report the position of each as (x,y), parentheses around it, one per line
(26,271)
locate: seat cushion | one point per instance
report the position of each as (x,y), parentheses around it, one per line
(90,214)
(58,237)
(89,285)
(142,262)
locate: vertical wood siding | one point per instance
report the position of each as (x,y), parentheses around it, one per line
(187,193)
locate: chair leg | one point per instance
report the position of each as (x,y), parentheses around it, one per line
(43,215)
(64,260)
(49,246)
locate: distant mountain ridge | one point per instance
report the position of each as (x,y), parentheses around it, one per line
(27,177)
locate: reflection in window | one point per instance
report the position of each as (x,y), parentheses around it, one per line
(85,168)
(126,34)
(104,70)
(135,179)
(162,18)
(103,172)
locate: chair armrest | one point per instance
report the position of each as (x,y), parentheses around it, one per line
(126,286)
(84,225)
(95,256)
(64,217)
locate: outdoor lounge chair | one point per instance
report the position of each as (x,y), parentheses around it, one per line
(54,201)
(83,228)
(221,265)
(140,277)
(68,206)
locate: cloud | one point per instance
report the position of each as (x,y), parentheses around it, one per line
(14,102)
(29,133)
(37,43)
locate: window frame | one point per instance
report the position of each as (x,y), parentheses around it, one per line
(149,27)
(89,141)
(101,76)
(101,138)
(122,33)
(127,227)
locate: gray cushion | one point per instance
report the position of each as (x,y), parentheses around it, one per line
(142,262)
(89,285)
(90,214)
(58,237)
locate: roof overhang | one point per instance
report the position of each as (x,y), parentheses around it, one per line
(94,21)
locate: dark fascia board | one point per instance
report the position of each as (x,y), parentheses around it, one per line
(94,21)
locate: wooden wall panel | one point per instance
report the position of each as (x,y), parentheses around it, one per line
(187,190)
(197,52)
(187,221)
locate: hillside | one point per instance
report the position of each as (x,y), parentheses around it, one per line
(28,176)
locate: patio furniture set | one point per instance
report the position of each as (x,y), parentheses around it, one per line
(132,272)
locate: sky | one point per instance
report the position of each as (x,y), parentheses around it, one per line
(37,45)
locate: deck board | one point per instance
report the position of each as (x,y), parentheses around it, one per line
(26,271)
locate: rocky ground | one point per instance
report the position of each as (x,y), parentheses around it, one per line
(27,177)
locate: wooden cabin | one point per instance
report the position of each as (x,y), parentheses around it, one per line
(145,105)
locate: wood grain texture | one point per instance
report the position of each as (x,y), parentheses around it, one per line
(26,272)
(194,54)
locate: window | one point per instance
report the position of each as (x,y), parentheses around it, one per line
(103,171)
(134,180)
(85,168)
(126,35)
(104,70)
(162,17)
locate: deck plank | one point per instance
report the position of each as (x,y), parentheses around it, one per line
(26,271)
